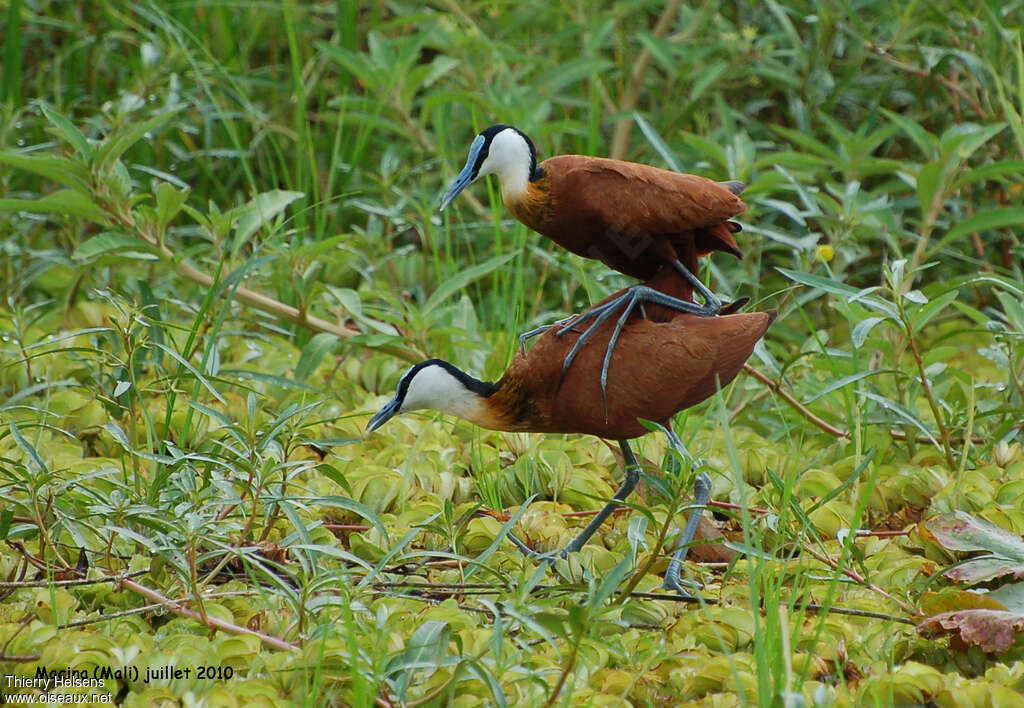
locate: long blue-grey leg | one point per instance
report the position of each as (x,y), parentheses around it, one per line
(608,355)
(523,548)
(632,477)
(701,497)
(712,305)
(635,294)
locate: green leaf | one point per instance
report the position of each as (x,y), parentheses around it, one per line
(868,457)
(484,676)
(656,141)
(505,529)
(901,412)
(395,550)
(705,78)
(992,171)
(925,140)
(67,130)
(261,210)
(144,541)
(863,328)
(807,142)
(571,71)
(707,148)
(836,288)
(1013,310)
(355,507)
(11,70)
(661,49)
(971,137)
(117,144)
(930,180)
(59,169)
(923,316)
(35,461)
(63,202)
(108,242)
(610,582)
(846,380)
(195,372)
(463,278)
(350,300)
(426,649)
(168,203)
(313,353)
(982,221)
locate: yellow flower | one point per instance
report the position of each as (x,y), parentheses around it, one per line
(824,253)
(749,32)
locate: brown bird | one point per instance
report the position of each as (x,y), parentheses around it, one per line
(694,356)
(633,218)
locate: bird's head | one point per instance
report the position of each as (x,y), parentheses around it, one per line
(500,150)
(440,386)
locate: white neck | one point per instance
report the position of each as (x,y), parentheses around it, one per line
(509,159)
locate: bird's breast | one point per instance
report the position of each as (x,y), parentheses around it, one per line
(533,206)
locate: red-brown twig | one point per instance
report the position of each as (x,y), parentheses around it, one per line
(212,622)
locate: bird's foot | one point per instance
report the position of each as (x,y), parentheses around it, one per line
(712,306)
(701,497)
(540,330)
(680,586)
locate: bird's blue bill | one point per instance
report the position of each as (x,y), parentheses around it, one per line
(467,175)
(383,415)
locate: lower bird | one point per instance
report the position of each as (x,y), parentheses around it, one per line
(664,363)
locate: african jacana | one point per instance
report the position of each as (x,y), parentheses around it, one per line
(633,218)
(661,367)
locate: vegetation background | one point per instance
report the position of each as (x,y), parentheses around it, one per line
(221,247)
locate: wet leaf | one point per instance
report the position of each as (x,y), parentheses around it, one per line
(960,531)
(992,630)
(110,242)
(259,211)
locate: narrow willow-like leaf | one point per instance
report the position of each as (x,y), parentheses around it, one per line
(657,142)
(261,210)
(463,278)
(116,145)
(982,221)
(863,329)
(63,202)
(901,412)
(108,242)
(35,461)
(67,172)
(195,372)
(67,130)
(505,530)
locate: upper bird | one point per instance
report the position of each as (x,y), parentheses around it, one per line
(633,218)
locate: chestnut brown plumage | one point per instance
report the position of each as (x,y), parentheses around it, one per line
(662,364)
(633,218)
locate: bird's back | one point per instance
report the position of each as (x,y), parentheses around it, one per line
(656,370)
(618,212)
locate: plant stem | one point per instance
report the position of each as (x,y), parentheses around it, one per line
(929,394)
(630,94)
(211,622)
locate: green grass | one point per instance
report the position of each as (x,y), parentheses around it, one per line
(221,248)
